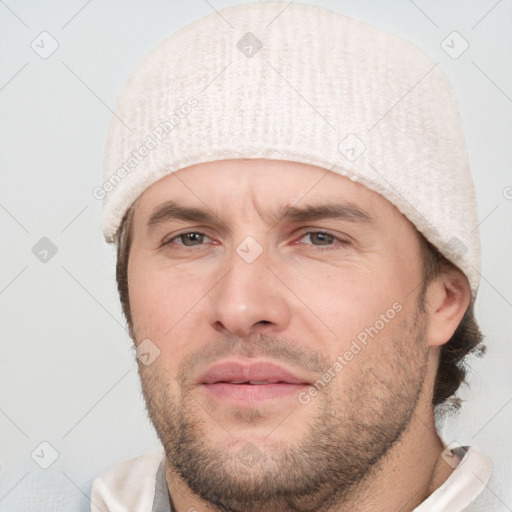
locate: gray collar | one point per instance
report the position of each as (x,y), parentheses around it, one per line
(162,501)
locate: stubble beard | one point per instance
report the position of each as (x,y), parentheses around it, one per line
(344,443)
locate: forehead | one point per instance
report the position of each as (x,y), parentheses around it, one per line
(261,187)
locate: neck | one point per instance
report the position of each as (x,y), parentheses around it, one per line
(411,471)
(405,477)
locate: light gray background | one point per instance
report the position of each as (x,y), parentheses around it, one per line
(68,375)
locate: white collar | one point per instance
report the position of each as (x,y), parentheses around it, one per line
(465,483)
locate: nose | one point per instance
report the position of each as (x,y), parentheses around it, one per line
(249,298)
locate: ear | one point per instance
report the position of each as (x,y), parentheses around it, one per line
(447,299)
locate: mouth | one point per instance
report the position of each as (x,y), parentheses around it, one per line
(247,382)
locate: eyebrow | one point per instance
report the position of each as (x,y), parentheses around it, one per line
(173,210)
(338,211)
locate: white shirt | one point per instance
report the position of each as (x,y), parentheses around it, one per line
(138,485)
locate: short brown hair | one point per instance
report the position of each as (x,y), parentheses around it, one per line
(467,338)
(452,370)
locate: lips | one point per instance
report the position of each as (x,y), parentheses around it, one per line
(255,373)
(247,382)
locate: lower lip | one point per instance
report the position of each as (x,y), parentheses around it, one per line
(244,393)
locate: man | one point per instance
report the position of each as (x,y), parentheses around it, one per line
(297,262)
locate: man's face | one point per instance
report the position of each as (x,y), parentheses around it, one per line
(292,350)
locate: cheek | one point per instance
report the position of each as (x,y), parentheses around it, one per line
(164,301)
(151,298)
(347,303)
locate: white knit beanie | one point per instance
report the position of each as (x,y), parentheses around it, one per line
(305,84)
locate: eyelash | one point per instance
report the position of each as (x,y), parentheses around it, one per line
(341,241)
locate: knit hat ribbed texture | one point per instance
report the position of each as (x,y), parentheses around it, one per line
(305,84)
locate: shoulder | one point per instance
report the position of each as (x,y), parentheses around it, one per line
(127,486)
